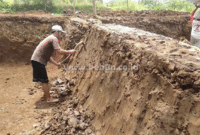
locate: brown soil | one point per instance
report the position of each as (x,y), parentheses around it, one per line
(31,12)
(16,104)
(158,95)
(169,23)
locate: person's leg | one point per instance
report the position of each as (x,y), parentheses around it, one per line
(40,75)
(46,89)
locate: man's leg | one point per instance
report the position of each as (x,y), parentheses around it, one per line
(46,89)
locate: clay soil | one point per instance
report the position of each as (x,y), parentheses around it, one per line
(145,96)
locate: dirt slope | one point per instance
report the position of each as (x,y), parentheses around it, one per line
(158,96)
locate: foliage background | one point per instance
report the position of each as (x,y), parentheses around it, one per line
(57,6)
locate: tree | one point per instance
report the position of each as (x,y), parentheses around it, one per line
(74,4)
(94,8)
(127,5)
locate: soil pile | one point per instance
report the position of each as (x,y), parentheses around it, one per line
(31,12)
(169,23)
(68,117)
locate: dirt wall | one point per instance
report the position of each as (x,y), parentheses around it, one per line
(21,33)
(158,95)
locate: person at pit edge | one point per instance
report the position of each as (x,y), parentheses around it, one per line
(42,54)
(195,33)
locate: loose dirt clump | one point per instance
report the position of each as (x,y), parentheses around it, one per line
(68,117)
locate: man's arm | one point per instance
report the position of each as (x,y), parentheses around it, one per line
(53,61)
(61,51)
(192,14)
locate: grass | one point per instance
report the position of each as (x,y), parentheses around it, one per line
(57,14)
(175,5)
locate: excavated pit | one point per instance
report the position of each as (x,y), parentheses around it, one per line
(22,32)
(158,94)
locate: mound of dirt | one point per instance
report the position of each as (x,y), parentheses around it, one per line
(169,23)
(144,13)
(66,118)
(31,12)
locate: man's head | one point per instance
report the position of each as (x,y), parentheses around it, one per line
(58,31)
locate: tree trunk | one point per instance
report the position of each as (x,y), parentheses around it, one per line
(74,4)
(127,5)
(94,8)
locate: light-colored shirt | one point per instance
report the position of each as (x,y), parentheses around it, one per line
(195,29)
(45,49)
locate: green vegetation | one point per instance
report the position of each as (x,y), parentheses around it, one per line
(57,6)
(175,5)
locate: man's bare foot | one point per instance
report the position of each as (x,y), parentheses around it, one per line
(43,98)
(51,100)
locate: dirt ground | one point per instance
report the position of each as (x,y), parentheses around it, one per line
(158,95)
(17,106)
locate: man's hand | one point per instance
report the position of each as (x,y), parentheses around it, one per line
(197,5)
(59,65)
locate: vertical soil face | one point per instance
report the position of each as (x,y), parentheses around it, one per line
(21,34)
(157,95)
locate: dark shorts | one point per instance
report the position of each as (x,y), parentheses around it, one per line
(39,72)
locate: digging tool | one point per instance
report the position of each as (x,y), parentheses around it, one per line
(65,60)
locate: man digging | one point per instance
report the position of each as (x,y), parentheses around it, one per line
(43,54)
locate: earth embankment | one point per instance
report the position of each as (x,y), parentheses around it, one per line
(155,93)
